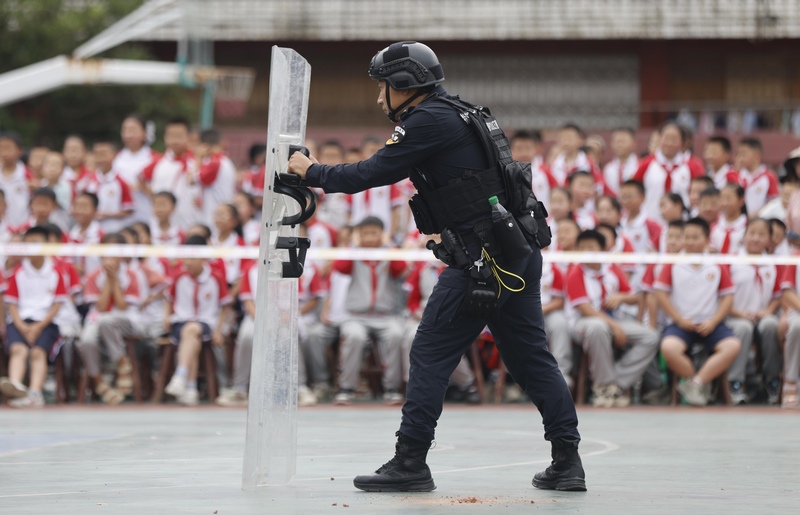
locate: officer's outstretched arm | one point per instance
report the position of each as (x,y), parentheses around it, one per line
(423,138)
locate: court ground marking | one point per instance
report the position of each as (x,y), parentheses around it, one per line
(65,444)
(440,448)
(608,447)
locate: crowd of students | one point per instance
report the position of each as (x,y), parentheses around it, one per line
(630,321)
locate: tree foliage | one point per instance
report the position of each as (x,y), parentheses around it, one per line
(35,30)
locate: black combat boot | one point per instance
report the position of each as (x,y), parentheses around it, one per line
(565,472)
(406,472)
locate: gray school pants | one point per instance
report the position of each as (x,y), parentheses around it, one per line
(597,339)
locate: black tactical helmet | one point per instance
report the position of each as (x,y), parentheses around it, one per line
(406,65)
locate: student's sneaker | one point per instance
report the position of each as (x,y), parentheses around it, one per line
(232,398)
(176,387)
(603,396)
(322,391)
(13,389)
(305,397)
(738,395)
(656,397)
(344,397)
(693,393)
(469,395)
(790,400)
(513,393)
(773,393)
(190,397)
(32,400)
(621,397)
(393,398)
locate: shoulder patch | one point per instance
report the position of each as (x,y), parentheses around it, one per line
(397,136)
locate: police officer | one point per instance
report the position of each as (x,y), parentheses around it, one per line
(437,148)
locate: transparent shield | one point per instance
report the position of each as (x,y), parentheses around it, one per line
(271,445)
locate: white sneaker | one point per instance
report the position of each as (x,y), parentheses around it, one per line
(189,397)
(393,398)
(176,387)
(32,400)
(232,399)
(322,391)
(305,397)
(603,396)
(621,398)
(13,389)
(693,393)
(513,393)
(344,397)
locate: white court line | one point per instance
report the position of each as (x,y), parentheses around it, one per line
(109,491)
(65,444)
(608,447)
(439,448)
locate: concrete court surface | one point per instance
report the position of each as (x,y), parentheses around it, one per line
(143,460)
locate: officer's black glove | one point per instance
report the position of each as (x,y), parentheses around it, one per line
(481,298)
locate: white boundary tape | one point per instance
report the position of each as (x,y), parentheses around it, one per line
(189,251)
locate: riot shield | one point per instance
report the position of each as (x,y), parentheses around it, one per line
(271,445)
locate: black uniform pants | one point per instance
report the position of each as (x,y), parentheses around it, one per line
(444,336)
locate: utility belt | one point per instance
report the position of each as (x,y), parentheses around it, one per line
(480,254)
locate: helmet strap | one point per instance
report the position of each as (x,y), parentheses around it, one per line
(394,112)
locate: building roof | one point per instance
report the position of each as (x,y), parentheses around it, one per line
(329,20)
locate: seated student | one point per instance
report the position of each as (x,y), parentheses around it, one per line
(697,298)
(755,302)
(331,315)
(560,208)
(197,306)
(228,233)
(309,294)
(717,155)
(696,187)
(371,303)
(68,319)
(15,179)
(5,232)
(566,240)
(571,157)
(727,235)
(556,326)
(581,186)
(655,318)
(419,286)
(251,226)
(52,170)
(634,273)
(709,205)
(595,292)
(779,246)
(644,233)
(155,273)
(667,171)
(672,210)
(114,194)
(86,230)
(113,293)
(790,279)
(759,182)
(176,171)
(34,295)
(216,173)
(625,163)
(162,230)
(43,210)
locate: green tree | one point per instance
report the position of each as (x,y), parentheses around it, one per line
(35,30)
